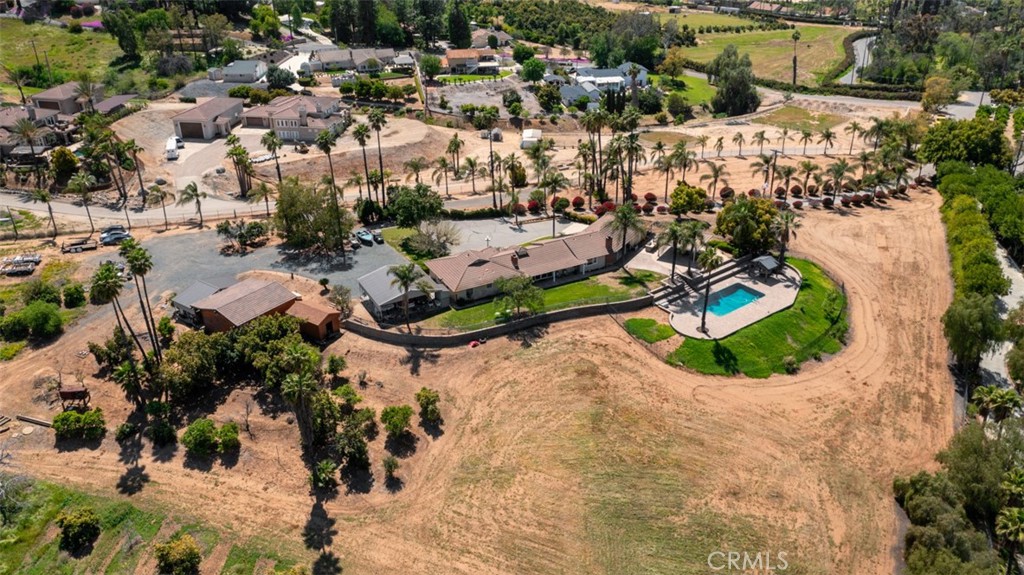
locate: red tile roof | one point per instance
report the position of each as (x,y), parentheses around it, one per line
(313,314)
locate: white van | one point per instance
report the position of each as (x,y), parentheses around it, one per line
(172,148)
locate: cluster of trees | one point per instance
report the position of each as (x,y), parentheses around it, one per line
(568,23)
(370,89)
(749,223)
(1000,196)
(203,438)
(977,141)
(397,23)
(179,37)
(972,249)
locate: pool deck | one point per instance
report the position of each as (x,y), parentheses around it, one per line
(779,292)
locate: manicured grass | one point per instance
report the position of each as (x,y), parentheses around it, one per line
(697,19)
(797,119)
(771,52)
(582,292)
(648,330)
(9,350)
(801,332)
(667,138)
(450,79)
(697,91)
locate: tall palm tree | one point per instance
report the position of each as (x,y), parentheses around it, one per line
(805,137)
(760,139)
(784,225)
(25,132)
(1010,528)
(87,90)
(739,140)
(41,195)
(673,235)
(719,146)
(1013,486)
(828,138)
(487,119)
(106,286)
(406,277)
(658,151)
(131,147)
(693,237)
(262,193)
(715,173)
(415,166)
(761,166)
(81,184)
(362,135)
(807,168)
(877,131)
(325,142)
(785,173)
(239,157)
(272,143)
(140,263)
(702,140)
(636,156)
(854,129)
(297,389)
(471,166)
(840,173)
(626,219)
(665,164)
(683,158)
(783,138)
(708,260)
(356,179)
(441,168)
(455,146)
(158,195)
(377,122)
(192,195)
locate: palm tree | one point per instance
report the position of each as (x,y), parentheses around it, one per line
(455,146)
(472,166)
(40,195)
(106,286)
(140,263)
(703,141)
(415,165)
(785,173)
(1013,486)
(325,141)
(159,195)
(683,158)
(262,193)
(693,237)
(658,151)
(828,138)
(785,225)
(356,179)
(272,142)
(441,167)
(719,146)
(807,168)
(81,184)
(1010,527)
(25,132)
(673,235)
(86,89)
(783,138)
(708,260)
(665,164)
(133,148)
(739,140)
(19,77)
(192,195)
(239,157)
(854,129)
(406,277)
(761,166)
(760,139)
(840,173)
(626,219)
(362,135)
(487,119)
(298,389)
(865,161)
(715,173)
(878,130)
(377,122)
(805,137)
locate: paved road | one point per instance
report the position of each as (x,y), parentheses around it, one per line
(993,365)
(861,58)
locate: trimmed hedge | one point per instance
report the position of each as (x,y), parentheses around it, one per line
(972,249)
(74,425)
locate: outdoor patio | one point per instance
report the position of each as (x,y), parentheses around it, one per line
(779,292)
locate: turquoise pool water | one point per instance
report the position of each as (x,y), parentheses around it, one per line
(731,299)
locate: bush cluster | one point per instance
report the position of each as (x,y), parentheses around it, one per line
(179,556)
(202,438)
(79,529)
(972,249)
(88,425)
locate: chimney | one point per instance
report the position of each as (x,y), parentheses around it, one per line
(608,244)
(31,111)
(515,261)
(302,115)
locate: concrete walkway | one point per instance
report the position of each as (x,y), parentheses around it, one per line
(993,365)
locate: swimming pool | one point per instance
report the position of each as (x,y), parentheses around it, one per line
(732,298)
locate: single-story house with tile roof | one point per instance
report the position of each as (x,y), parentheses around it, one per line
(243,302)
(244,71)
(212,118)
(363,59)
(479,38)
(471,276)
(63,98)
(472,61)
(382,299)
(298,118)
(183,302)
(318,323)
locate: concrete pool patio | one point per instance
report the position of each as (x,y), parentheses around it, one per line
(780,291)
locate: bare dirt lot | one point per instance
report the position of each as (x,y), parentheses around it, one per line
(575,450)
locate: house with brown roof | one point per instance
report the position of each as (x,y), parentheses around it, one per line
(318,323)
(471,276)
(63,98)
(361,59)
(481,35)
(212,118)
(9,117)
(471,61)
(243,302)
(298,118)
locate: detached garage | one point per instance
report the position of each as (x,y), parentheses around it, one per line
(210,119)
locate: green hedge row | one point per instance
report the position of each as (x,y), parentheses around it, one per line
(972,249)
(1001,197)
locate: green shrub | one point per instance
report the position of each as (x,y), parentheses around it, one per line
(428,400)
(125,431)
(79,529)
(722,245)
(43,319)
(396,419)
(391,465)
(161,433)
(75,28)
(165,328)
(38,290)
(322,476)
(200,439)
(13,327)
(88,425)
(74,295)
(179,556)
(790,364)
(227,437)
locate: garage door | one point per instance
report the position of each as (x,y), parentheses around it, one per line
(191,130)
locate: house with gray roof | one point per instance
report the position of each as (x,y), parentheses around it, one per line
(244,71)
(384,300)
(361,59)
(183,302)
(611,79)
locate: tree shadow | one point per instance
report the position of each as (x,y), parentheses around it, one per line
(82,550)
(725,358)
(416,356)
(529,336)
(433,429)
(327,564)
(229,459)
(271,404)
(319,531)
(394,484)
(403,445)
(357,478)
(164,453)
(131,446)
(198,463)
(65,445)
(132,480)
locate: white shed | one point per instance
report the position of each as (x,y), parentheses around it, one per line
(530,138)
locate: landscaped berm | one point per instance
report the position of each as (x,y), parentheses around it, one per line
(814,326)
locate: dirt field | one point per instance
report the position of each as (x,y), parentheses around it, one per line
(580,452)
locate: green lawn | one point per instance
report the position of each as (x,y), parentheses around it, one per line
(452,78)
(802,332)
(696,92)
(648,330)
(771,52)
(797,119)
(582,292)
(394,238)
(697,19)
